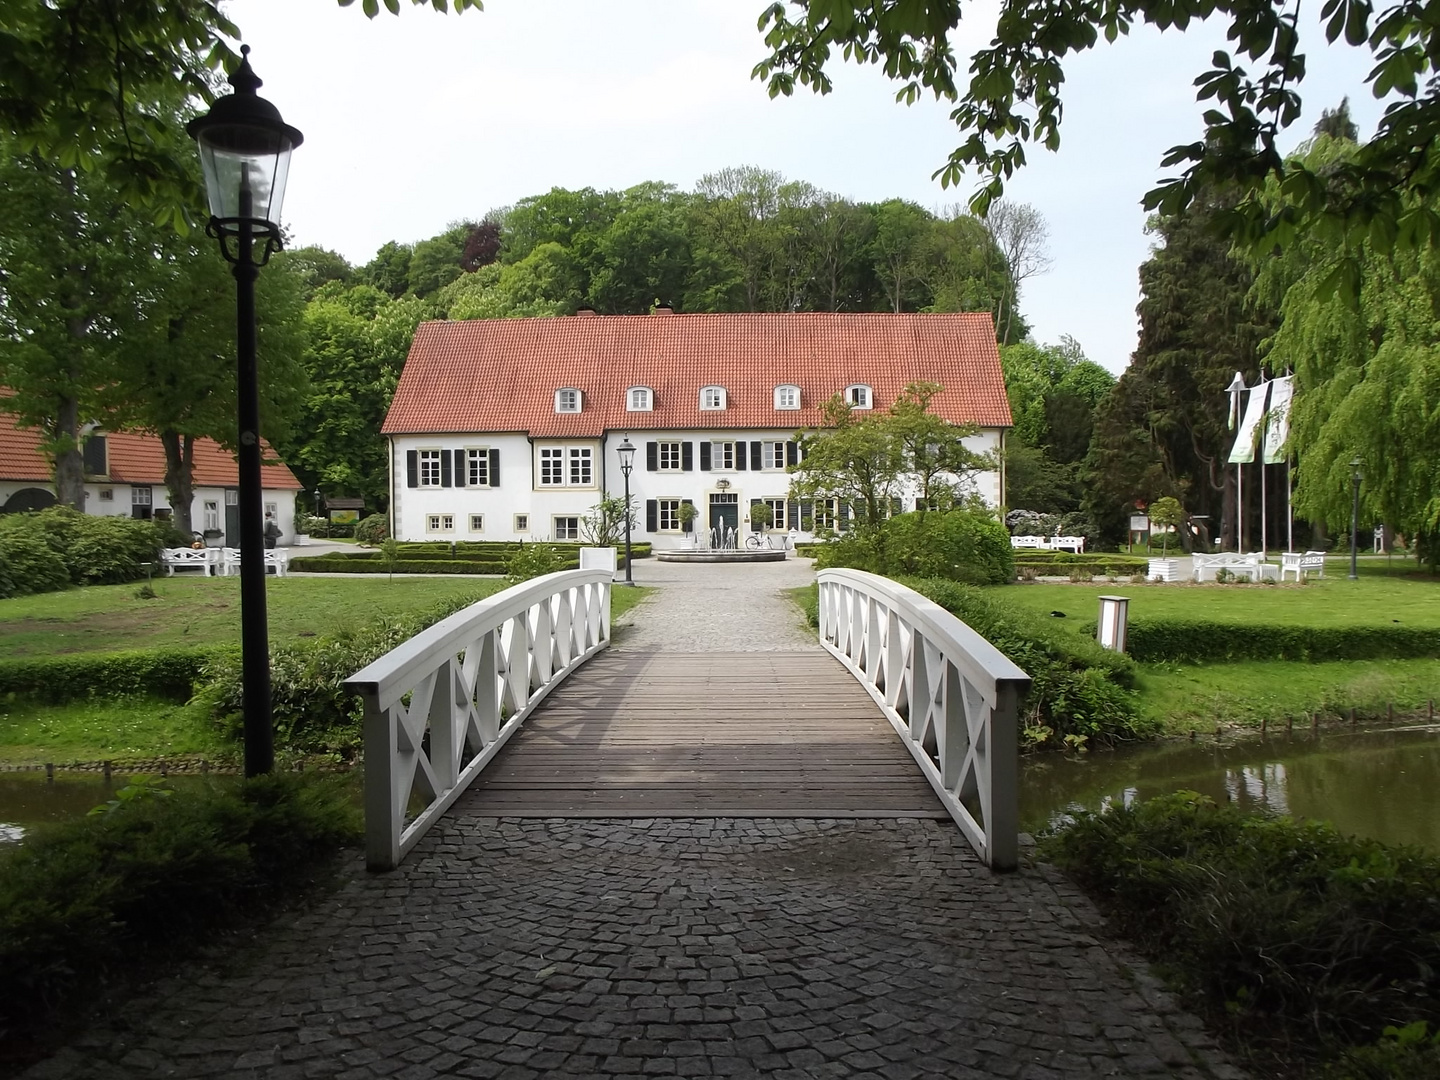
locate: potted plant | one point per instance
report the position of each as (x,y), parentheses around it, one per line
(687,514)
(1168,514)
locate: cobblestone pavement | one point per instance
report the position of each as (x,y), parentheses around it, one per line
(718,607)
(502,948)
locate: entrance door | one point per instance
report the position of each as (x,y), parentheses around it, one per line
(725,516)
(232,518)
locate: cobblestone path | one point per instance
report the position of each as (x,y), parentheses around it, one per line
(874,949)
(719,607)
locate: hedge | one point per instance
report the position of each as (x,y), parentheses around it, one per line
(1199,640)
(1062,563)
(54,680)
(325,564)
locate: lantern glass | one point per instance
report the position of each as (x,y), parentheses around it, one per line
(245,170)
(627,455)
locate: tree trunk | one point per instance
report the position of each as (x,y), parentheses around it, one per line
(180,477)
(69,462)
(1228,539)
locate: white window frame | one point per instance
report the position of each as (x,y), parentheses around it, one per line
(718,455)
(674,450)
(107,494)
(478,456)
(573,530)
(141,496)
(211,513)
(552,463)
(859,396)
(427,470)
(825,515)
(667,515)
(568,400)
(639,399)
(580,466)
(520,523)
(232,497)
(787,397)
(441,523)
(477,523)
(772,455)
(779,511)
(712,398)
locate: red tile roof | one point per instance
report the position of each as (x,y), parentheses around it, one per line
(135,458)
(487,375)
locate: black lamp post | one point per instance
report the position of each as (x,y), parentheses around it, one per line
(317,502)
(245,153)
(627,462)
(1355,477)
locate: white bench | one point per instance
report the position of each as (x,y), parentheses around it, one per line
(206,560)
(1254,567)
(1049,543)
(1301,563)
(277,561)
(1036,543)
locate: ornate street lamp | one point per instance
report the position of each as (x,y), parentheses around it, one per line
(1355,478)
(627,462)
(245,153)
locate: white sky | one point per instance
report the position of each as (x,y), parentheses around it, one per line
(413,122)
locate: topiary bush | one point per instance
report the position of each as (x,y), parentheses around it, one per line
(373,529)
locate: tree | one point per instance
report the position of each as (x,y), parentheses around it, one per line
(1021,237)
(1167,513)
(389,270)
(899,229)
(315,266)
(438,261)
(737,215)
(1012,99)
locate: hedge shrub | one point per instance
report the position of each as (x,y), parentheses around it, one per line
(1198,640)
(153,876)
(29,565)
(1269,922)
(327,564)
(373,529)
(92,550)
(1061,563)
(170,674)
(961,545)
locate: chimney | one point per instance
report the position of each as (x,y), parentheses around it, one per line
(584,312)
(663,309)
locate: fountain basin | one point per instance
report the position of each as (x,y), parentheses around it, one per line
(713,555)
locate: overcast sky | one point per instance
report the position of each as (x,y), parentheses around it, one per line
(414,122)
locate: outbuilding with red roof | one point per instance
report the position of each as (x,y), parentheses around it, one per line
(507,428)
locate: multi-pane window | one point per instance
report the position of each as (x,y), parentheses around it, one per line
(722,455)
(580,470)
(478,472)
(668,514)
(567,400)
(827,515)
(669,457)
(712,397)
(567,528)
(139,496)
(440,522)
(858,397)
(638,399)
(477,522)
(552,466)
(787,397)
(232,497)
(521,523)
(430,468)
(772,455)
(777,513)
(107,494)
(212,514)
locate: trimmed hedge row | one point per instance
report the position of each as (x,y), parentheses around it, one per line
(443,549)
(1061,563)
(1198,640)
(327,564)
(54,680)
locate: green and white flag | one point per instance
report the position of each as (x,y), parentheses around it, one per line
(1277,425)
(1244,450)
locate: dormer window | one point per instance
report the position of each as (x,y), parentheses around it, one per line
(712,397)
(858,397)
(567,400)
(787,397)
(639,399)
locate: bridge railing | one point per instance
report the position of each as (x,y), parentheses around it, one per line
(951,695)
(439,707)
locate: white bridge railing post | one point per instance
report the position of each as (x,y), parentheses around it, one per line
(950,695)
(439,707)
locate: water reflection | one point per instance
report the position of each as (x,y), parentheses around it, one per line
(1380,784)
(27,799)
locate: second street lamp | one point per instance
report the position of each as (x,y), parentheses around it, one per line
(245,153)
(627,462)
(1355,478)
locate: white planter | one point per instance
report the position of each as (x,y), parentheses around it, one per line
(301,539)
(1163,570)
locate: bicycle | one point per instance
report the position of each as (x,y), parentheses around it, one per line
(756,541)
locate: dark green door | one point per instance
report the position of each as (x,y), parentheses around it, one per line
(725,516)
(232,519)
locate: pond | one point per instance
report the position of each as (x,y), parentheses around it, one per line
(28,799)
(1379,783)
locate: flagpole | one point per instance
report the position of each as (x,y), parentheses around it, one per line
(1264,510)
(1235,389)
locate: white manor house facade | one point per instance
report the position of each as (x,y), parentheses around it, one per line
(508,429)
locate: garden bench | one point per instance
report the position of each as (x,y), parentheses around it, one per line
(277,561)
(1035,542)
(1252,566)
(1301,563)
(1049,543)
(203,559)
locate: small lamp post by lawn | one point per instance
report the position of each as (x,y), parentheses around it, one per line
(627,462)
(1355,478)
(245,153)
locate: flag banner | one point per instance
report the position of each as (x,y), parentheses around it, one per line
(1244,449)
(1277,427)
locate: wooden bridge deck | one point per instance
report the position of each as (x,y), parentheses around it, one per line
(662,734)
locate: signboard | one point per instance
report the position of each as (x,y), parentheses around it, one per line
(344,517)
(1139,523)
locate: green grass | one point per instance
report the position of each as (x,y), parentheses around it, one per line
(1331,601)
(105,729)
(195,611)
(1198,697)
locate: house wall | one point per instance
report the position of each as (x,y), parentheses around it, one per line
(520,492)
(120,502)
